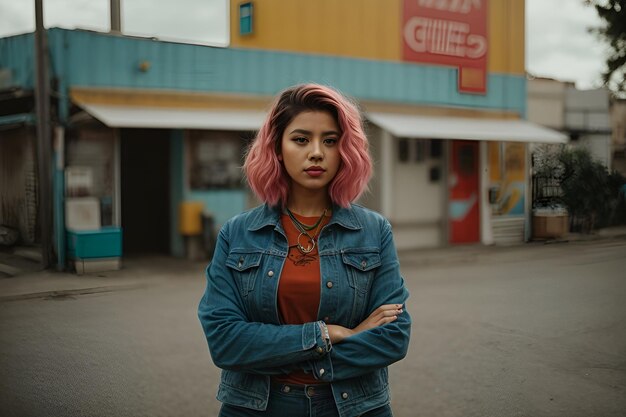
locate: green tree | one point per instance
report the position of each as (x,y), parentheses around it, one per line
(613,31)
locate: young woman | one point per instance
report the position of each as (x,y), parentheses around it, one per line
(304,304)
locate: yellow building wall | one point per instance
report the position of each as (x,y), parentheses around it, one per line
(506,36)
(355,28)
(368,29)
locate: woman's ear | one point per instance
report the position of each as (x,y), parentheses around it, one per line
(280,157)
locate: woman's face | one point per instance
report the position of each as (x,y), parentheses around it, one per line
(310,151)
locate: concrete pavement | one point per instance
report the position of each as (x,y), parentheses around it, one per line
(23,277)
(529,330)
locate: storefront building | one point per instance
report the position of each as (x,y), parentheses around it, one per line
(146,125)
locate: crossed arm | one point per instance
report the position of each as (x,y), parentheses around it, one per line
(270,349)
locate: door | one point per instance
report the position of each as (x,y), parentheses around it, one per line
(145,185)
(464,210)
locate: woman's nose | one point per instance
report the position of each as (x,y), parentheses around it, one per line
(316,151)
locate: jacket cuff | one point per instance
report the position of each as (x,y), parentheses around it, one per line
(314,339)
(320,364)
(322,369)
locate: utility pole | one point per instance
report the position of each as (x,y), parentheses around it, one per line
(44,145)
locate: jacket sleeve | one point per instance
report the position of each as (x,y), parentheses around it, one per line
(381,346)
(237,344)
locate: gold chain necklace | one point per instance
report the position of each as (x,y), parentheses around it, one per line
(304,231)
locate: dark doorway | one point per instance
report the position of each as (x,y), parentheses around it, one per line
(145,179)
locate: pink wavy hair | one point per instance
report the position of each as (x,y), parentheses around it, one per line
(265,173)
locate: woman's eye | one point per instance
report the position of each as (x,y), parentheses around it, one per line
(300,139)
(330,141)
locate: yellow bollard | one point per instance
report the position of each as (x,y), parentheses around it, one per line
(190,218)
(190,226)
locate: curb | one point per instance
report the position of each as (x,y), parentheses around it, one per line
(59,294)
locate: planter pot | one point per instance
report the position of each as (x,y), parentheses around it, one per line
(550,224)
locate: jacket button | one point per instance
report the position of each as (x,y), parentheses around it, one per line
(270,274)
(322,371)
(319,349)
(344,395)
(363,264)
(329,284)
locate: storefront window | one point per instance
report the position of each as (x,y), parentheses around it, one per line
(436,148)
(215,159)
(403,150)
(89,175)
(412,150)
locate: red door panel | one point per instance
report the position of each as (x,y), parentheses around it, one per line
(464,206)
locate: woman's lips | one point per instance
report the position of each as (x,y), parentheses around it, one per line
(314,172)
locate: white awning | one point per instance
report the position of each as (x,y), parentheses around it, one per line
(436,127)
(175,118)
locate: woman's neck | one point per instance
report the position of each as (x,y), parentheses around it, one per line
(309,205)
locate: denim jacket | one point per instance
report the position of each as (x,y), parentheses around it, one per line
(238,312)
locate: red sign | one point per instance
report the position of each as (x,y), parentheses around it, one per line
(448,32)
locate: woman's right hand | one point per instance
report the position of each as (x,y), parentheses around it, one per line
(382,315)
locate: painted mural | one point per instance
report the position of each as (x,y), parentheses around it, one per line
(507,178)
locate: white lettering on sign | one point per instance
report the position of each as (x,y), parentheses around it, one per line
(477,46)
(443,37)
(455,6)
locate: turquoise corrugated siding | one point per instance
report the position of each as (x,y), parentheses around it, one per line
(101,60)
(81,58)
(17,53)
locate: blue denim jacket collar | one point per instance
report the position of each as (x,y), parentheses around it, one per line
(270,216)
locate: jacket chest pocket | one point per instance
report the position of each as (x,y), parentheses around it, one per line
(361,266)
(245,267)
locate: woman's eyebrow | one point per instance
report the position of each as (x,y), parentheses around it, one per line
(304,132)
(308,132)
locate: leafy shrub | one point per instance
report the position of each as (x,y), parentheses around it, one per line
(592,196)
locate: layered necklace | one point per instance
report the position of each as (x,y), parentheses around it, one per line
(304,230)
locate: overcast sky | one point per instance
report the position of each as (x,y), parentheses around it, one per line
(558,44)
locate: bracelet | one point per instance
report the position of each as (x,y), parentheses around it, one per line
(326,336)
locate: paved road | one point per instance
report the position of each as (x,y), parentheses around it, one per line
(535,330)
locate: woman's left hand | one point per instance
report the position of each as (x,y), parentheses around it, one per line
(382,315)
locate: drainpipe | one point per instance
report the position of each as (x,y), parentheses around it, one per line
(116,17)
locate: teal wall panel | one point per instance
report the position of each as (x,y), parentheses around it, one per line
(17,54)
(82,58)
(223,204)
(103,60)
